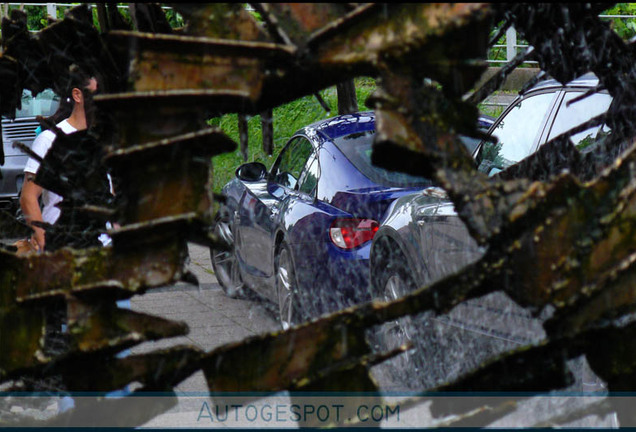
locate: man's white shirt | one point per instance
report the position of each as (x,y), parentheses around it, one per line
(41,146)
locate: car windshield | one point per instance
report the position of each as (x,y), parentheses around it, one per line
(44,104)
(357,147)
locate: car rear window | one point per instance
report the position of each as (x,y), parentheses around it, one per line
(357,147)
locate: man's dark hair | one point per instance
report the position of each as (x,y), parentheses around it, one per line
(76,78)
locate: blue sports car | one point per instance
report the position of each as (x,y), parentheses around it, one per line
(300,233)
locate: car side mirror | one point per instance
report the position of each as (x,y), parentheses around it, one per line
(251,172)
(286,179)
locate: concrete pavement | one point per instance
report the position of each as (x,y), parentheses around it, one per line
(213,318)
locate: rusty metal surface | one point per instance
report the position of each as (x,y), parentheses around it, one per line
(221,21)
(166,62)
(286,360)
(558,240)
(295,23)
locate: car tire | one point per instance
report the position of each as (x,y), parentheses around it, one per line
(224,261)
(394,279)
(286,289)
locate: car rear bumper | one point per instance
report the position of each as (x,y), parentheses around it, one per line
(338,280)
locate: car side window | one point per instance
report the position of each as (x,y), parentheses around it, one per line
(291,162)
(517,133)
(310,178)
(579,112)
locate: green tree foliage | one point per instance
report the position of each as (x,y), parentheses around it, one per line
(37,16)
(490,153)
(174,18)
(624,27)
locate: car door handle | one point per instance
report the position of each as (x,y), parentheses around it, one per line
(432,218)
(439,218)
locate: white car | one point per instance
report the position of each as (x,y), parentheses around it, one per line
(21,129)
(421,239)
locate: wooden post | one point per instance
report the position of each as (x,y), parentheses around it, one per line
(115,20)
(243,136)
(132,10)
(267,124)
(149,17)
(102,17)
(347,99)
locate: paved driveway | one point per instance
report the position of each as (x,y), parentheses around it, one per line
(213,318)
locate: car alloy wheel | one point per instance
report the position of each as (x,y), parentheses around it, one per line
(401,331)
(396,287)
(286,289)
(224,261)
(394,280)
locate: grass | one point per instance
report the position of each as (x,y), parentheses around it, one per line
(496,110)
(491,110)
(287,119)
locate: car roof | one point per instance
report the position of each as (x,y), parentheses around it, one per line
(346,124)
(587,80)
(342,125)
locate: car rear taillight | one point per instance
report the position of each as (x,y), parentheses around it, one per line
(351,233)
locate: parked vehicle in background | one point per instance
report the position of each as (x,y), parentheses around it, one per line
(21,129)
(421,239)
(484,122)
(542,114)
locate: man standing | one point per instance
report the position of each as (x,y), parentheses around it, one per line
(79,83)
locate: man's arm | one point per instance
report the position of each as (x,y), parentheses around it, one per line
(30,205)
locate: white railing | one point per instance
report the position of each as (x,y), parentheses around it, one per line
(55,5)
(512,46)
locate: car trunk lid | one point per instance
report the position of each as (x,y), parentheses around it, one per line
(368,202)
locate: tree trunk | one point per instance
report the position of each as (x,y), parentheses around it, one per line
(132,10)
(102,17)
(347,99)
(243,135)
(322,102)
(267,124)
(149,17)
